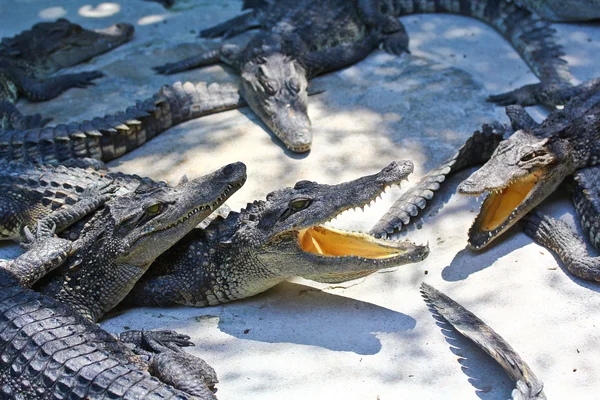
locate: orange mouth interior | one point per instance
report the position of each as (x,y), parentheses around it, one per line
(332,242)
(500,205)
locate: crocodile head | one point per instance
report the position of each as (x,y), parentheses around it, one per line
(119,243)
(275,87)
(287,235)
(60,44)
(523,171)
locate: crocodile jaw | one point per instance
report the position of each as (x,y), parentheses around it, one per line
(503,207)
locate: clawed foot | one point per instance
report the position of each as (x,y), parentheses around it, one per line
(156,341)
(44,229)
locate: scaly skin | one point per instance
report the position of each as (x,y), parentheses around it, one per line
(528,166)
(119,242)
(302,39)
(50,351)
(113,135)
(32,192)
(28,60)
(561,10)
(273,240)
(528,386)
(558,236)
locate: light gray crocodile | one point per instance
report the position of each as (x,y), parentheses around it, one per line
(304,38)
(273,240)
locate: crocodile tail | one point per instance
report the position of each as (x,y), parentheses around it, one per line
(113,135)
(470,326)
(532,37)
(476,150)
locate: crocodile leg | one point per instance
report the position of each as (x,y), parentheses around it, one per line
(170,364)
(223,53)
(11,118)
(558,236)
(232,27)
(477,150)
(42,90)
(528,386)
(568,246)
(45,254)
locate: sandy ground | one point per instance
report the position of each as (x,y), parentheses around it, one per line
(372,338)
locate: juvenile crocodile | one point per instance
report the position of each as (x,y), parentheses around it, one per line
(528,386)
(273,240)
(28,60)
(30,192)
(115,134)
(302,39)
(51,351)
(529,165)
(121,240)
(561,10)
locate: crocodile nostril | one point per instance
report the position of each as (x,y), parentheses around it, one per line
(229,169)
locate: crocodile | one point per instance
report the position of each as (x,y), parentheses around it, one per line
(521,171)
(529,165)
(106,138)
(528,386)
(128,233)
(32,192)
(50,351)
(302,39)
(270,241)
(564,11)
(29,60)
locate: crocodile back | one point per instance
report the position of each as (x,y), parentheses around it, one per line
(47,351)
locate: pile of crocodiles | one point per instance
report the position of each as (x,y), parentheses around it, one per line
(95,238)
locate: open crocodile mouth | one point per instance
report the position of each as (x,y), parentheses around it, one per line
(333,246)
(502,208)
(330,242)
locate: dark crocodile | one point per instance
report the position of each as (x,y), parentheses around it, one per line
(523,171)
(128,233)
(115,134)
(302,39)
(273,240)
(50,351)
(30,192)
(528,386)
(561,10)
(528,166)
(29,60)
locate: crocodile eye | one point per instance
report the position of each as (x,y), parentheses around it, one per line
(293,85)
(76,28)
(154,209)
(269,88)
(531,155)
(299,204)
